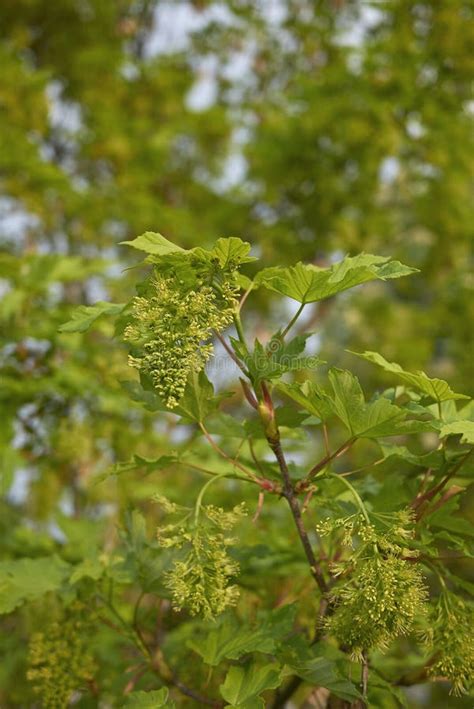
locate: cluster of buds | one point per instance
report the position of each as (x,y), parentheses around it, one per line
(59,659)
(171,330)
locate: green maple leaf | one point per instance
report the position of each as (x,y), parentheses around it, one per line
(85,315)
(243,685)
(368,420)
(307,283)
(436,389)
(154,244)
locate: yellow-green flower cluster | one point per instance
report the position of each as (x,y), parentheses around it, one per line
(451,639)
(380,603)
(398,530)
(171,329)
(384,593)
(200,578)
(59,660)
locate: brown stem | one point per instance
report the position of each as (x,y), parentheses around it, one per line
(161,668)
(268,485)
(291,498)
(196,695)
(245,296)
(303,484)
(425,481)
(429,494)
(445,497)
(222,453)
(327,459)
(130,686)
(155,659)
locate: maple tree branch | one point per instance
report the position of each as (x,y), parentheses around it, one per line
(430,494)
(303,484)
(268,485)
(273,437)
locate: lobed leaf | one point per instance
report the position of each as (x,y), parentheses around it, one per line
(231,252)
(153,243)
(85,315)
(150,465)
(311,397)
(456,428)
(149,700)
(231,641)
(199,399)
(244,684)
(92,568)
(324,672)
(375,419)
(277,358)
(307,283)
(437,389)
(433,459)
(27,579)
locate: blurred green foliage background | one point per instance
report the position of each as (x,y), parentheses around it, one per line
(311,129)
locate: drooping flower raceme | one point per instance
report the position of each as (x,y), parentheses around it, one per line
(59,659)
(380,603)
(385,593)
(171,329)
(200,576)
(451,639)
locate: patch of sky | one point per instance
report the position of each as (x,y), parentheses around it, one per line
(175,22)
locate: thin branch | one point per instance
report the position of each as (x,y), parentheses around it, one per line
(303,484)
(272,434)
(231,353)
(248,473)
(429,494)
(363,467)
(155,660)
(249,394)
(337,454)
(201,469)
(128,631)
(114,627)
(268,485)
(130,686)
(135,624)
(254,456)
(292,500)
(188,692)
(307,499)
